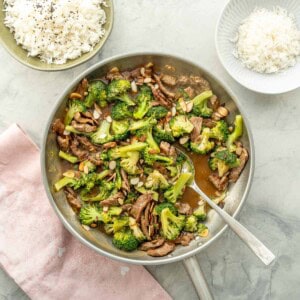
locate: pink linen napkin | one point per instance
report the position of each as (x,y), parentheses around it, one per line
(36,250)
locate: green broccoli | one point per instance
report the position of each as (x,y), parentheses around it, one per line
(159,207)
(129,163)
(118,179)
(150,159)
(143,190)
(200,107)
(176,190)
(156,181)
(152,145)
(118,224)
(223,160)
(181,158)
(141,124)
(157,112)
(120,129)
(117,89)
(102,135)
(173,170)
(68,157)
(136,230)
(131,197)
(237,132)
(74,107)
(71,129)
(191,224)
(181,125)
(143,101)
(220,131)
(86,164)
(121,111)
(96,92)
(204,145)
(161,134)
(202,230)
(171,225)
(125,240)
(200,212)
(122,151)
(90,214)
(106,189)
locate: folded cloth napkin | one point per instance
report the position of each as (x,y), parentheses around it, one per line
(36,250)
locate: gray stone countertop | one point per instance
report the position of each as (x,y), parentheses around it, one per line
(186,28)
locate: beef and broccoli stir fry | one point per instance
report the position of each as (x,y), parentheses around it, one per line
(123,172)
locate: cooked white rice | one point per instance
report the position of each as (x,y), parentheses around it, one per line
(56,30)
(268,40)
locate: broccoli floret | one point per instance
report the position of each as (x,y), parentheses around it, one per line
(102,135)
(90,214)
(122,151)
(118,179)
(200,212)
(173,170)
(171,225)
(117,89)
(96,92)
(152,145)
(150,159)
(120,129)
(143,101)
(191,224)
(200,107)
(70,128)
(68,157)
(141,124)
(159,207)
(136,230)
(121,111)
(86,164)
(118,224)
(131,197)
(181,125)
(204,145)
(237,132)
(156,181)
(157,112)
(202,230)
(125,240)
(176,190)
(223,160)
(161,134)
(129,163)
(220,131)
(181,158)
(74,107)
(143,190)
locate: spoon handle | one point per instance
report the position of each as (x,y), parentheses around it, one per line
(261,251)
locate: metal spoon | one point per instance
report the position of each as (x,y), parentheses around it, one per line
(261,251)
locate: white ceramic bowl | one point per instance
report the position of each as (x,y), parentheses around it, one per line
(236,11)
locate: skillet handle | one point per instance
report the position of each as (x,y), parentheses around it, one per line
(193,269)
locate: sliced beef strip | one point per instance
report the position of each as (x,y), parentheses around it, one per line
(125,183)
(114,73)
(82,120)
(152,245)
(80,153)
(95,160)
(220,183)
(63,142)
(72,199)
(184,239)
(113,200)
(236,172)
(197,122)
(159,96)
(135,73)
(215,103)
(84,127)
(82,88)
(58,126)
(126,207)
(109,145)
(208,123)
(184,208)
(151,230)
(163,250)
(162,169)
(139,206)
(163,88)
(84,141)
(190,91)
(168,79)
(144,227)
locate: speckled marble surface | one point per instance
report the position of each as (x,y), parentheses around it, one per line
(186,28)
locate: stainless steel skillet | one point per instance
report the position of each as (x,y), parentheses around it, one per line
(101,243)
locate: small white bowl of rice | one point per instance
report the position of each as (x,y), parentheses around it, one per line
(54,35)
(258,43)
